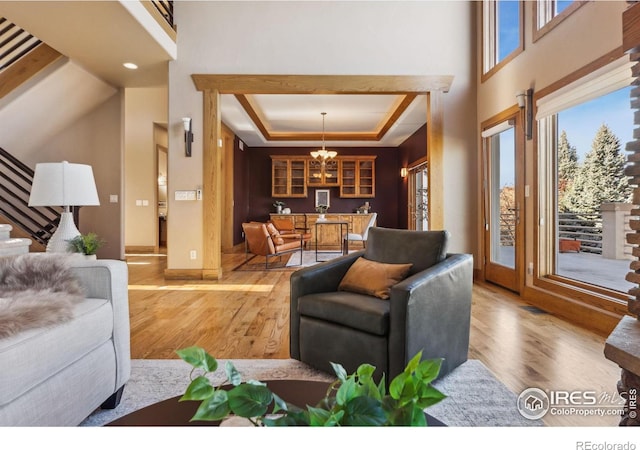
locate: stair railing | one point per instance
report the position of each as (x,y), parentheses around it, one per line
(14,43)
(15,187)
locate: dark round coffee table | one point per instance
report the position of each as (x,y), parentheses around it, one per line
(172,413)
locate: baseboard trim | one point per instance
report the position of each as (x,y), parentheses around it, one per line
(140,249)
(592,318)
(211,274)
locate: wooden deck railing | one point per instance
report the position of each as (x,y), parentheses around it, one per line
(585,228)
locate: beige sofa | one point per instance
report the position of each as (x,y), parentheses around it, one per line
(58,375)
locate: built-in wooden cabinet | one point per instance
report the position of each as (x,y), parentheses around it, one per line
(357,177)
(288,176)
(329,235)
(319,176)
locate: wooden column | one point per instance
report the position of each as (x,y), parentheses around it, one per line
(212,188)
(435,159)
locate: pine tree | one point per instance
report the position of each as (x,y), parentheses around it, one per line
(567,170)
(601,177)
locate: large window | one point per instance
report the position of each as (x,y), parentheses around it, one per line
(502,33)
(549,13)
(585,196)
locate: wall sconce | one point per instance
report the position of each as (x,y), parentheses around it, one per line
(525,101)
(404,172)
(188,135)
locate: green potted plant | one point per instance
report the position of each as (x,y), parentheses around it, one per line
(321,210)
(279,205)
(87,244)
(351,400)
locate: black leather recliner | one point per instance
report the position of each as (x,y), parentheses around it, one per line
(430,310)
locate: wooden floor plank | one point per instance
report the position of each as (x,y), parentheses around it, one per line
(246,315)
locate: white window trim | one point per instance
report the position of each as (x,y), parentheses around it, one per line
(605,80)
(546,12)
(499,128)
(489,42)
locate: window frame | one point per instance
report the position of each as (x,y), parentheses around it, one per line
(544,225)
(488,23)
(542,7)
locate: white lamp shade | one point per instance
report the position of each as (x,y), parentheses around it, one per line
(63,184)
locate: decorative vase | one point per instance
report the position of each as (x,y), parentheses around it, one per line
(236,421)
(321,217)
(90,257)
(279,209)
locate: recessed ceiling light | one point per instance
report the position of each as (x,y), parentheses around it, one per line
(131,66)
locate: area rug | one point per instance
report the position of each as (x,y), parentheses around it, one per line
(309,258)
(256,263)
(475,398)
(286,262)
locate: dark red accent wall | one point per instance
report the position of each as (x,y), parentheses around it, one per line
(385,202)
(411,150)
(252,183)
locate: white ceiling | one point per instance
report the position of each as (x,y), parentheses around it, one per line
(101,35)
(345,113)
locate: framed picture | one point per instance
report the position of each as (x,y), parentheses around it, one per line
(322,197)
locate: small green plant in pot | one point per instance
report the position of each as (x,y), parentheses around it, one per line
(87,244)
(279,205)
(351,400)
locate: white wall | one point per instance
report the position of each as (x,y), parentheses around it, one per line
(95,139)
(43,108)
(143,108)
(341,38)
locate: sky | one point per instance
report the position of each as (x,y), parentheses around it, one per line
(583,121)
(580,122)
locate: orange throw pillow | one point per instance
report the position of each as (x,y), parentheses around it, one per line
(373,278)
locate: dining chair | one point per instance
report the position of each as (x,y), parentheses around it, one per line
(349,237)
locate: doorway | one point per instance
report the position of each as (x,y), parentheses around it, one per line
(503,175)
(161,155)
(418,197)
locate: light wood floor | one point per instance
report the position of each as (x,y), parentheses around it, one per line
(245,315)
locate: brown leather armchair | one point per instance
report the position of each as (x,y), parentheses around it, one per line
(263,239)
(286,227)
(430,310)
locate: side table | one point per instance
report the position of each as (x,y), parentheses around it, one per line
(337,223)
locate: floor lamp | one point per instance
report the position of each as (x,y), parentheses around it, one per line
(63,184)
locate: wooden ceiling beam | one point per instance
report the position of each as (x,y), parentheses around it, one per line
(322,84)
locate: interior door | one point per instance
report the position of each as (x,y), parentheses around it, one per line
(503,154)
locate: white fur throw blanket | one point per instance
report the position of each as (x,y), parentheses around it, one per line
(36,290)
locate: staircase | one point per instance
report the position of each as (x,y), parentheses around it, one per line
(22,56)
(39,223)
(12,246)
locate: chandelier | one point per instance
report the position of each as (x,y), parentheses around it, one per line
(323,154)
